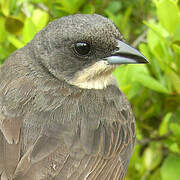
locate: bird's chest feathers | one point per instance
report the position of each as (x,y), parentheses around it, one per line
(76,117)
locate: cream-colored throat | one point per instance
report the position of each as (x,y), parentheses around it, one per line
(97,76)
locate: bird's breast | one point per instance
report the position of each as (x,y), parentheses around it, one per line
(88,121)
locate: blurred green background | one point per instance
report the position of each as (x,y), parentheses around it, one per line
(153,26)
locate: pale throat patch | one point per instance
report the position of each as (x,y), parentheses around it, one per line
(97,76)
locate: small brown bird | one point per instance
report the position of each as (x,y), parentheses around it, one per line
(62,115)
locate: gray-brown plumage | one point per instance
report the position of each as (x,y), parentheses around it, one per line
(62,115)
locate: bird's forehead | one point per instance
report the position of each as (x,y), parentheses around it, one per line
(97,34)
(86,21)
(93,28)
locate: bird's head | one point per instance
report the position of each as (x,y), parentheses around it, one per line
(83,50)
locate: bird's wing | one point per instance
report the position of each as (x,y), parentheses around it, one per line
(14,96)
(113,143)
(96,151)
(109,128)
(110,141)
(109,162)
(108,151)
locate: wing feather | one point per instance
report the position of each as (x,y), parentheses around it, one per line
(13,97)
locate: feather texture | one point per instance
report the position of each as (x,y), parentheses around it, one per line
(53,130)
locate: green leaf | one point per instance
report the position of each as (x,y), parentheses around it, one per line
(37,1)
(152,157)
(175,128)
(168,14)
(56,10)
(170,169)
(125,76)
(154,43)
(13,25)
(144,49)
(89,9)
(40,19)
(164,126)
(3,32)
(176,36)
(5,7)
(77,3)
(174,148)
(16,42)
(65,3)
(175,81)
(126,18)
(176,48)
(151,83)
(177,113)
(158,30)
(3,53)
(156,175)
(114,6)
(158,43)
(29,30)
(115,18)
(70,6)
(14,4)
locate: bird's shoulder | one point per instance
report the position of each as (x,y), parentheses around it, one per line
(16,92)
(109,124)
(94,122)
(91,123)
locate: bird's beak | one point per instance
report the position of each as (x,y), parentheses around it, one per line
(126,55)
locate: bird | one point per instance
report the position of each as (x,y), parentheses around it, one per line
(62,114)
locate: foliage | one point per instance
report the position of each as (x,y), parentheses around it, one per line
(153,89)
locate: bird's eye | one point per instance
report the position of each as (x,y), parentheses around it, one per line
(82,48)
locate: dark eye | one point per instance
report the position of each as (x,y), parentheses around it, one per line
(82,48)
